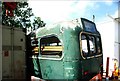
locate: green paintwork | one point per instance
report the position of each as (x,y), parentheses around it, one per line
(71,65)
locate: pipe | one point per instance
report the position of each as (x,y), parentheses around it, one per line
(12,53)
(93,18)
(107,67)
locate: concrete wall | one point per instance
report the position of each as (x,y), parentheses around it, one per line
(0,52)
(13,53)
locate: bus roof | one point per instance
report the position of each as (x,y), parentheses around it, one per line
(58,27)
(80,24)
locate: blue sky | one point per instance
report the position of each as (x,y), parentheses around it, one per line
(54,11)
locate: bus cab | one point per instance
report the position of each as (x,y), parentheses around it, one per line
(69,50)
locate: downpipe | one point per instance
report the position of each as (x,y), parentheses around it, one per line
(12,53)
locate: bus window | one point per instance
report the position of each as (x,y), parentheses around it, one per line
(50,47)
(92,44)
(84,46)
(99,47)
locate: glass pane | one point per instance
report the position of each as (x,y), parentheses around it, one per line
(89,26)
(51,46)
(92,44)
(84,45)
(99,50)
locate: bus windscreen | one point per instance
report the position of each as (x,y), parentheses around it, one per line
(89,25)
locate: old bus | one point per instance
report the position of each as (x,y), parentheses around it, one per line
(69,50)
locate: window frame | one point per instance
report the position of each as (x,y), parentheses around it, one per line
(96,54)
(48,56)
(83,20)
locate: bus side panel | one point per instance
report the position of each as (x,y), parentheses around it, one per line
(72,70)
(53,69)
(72,63)
(37,71)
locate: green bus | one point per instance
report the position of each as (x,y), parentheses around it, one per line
(69,50)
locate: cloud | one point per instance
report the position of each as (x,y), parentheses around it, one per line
(109,2)
(55,11)
(51,10)
(83,8)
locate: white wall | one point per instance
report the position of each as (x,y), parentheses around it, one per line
(107,31)
(117,41)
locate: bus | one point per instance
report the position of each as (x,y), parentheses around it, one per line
(68,50)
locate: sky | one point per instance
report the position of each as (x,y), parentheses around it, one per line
(52,11)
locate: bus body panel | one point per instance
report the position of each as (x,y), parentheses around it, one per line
(71,56)
(52,69)
(71,64)
(72,70)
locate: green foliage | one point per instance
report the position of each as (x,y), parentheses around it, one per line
(37,23)
(22,17)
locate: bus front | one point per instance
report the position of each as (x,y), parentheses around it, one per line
(90,49)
